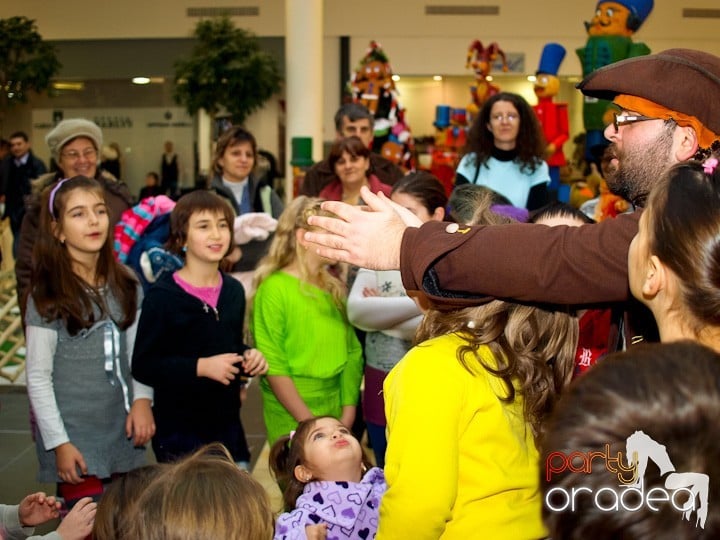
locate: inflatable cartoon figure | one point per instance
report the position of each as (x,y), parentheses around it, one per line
(553,117)
(609,40)
(372,85)
(481,59)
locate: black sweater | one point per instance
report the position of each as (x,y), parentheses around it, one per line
(176,329)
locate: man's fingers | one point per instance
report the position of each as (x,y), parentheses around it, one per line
(331,224)
(378,203)
(332,241)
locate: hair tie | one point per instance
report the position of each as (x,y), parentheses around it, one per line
(54,191)
(709,165)
(290,438)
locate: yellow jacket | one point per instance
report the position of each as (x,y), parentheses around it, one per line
(460,463)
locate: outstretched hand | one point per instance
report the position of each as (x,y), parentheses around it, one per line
(369,236)
(37,508)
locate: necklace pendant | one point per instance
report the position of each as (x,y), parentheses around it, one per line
(207,308)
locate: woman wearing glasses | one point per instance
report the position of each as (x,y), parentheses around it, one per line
(74,144)
(504,152)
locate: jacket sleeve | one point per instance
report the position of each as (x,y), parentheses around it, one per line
(41,347)
(140,390)
(151,364)
(372,313)
(406,467)
(268,321)
(526,262)
(291,525)
(10,527)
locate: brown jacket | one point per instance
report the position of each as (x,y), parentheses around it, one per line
(117,197)
(320,174)
(528,263)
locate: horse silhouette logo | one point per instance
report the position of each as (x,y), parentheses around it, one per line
(641,447)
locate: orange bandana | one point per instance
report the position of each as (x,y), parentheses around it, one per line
(650,108)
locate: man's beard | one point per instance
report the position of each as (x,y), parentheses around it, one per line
(638,168)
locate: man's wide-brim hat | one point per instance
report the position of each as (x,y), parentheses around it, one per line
(683,80)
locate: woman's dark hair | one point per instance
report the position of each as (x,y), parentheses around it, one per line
(352,145)
(530,143)
(684,233)
(58,292)
(233,136)
(669,392)
(288,452)
(424,187)
(199,200)
(559,210)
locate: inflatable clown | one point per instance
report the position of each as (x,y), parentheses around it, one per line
(480,59)
(609,40)
(372,85)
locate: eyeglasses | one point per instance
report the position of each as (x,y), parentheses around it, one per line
(627,119)
(74,155)
(509,117)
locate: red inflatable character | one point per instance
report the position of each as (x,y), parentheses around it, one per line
(553,117)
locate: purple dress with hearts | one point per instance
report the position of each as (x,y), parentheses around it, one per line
(350,509)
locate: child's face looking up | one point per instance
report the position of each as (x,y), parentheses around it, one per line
(331,453)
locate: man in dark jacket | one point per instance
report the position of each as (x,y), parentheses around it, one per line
(352,119)
(16,172)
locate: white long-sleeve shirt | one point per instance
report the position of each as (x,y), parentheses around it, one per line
(392,313)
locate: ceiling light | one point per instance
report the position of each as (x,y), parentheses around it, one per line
(396,78)
(141,80)
(68,85)
(437,77)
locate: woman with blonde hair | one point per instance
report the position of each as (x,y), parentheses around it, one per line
(299,324)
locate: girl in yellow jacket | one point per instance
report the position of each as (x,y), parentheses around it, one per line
(463,409)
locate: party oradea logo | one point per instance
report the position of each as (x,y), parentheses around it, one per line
(687,492)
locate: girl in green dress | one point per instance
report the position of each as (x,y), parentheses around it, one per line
(300,326)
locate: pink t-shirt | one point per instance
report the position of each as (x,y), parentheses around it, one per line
(209,295)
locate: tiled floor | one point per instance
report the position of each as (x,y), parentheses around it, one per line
(18,463)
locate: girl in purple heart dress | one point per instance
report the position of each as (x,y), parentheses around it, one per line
(328,480)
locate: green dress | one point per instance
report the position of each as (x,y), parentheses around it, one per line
(303,335)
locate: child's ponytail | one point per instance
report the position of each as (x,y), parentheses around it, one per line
(285,455)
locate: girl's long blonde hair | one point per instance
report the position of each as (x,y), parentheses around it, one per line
(285,250)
